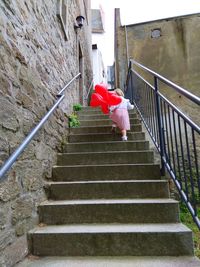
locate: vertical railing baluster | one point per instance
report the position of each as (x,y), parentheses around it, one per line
(132,86)
(183,158)
(171,139)
(155,117)
(162,119)
(160,126)
(196,163)
(147,104)
(177,150)
(190,169)
(168,154)
(153,113)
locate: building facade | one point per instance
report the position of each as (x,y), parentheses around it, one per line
(111,76)
(99,74)
(40,52)
(98,30)
(170,47)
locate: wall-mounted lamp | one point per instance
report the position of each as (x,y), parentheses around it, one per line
(79,22)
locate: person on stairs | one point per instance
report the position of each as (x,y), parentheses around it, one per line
(119,115)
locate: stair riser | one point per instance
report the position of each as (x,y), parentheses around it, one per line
(98,111)
(111,244)
(103,122)
(126,227)
(109,213)
(100,116)
(105,158)
(90,109)
(109,190)
(106,172)
(101,129)
(92,112)
(104,137)
(113,146)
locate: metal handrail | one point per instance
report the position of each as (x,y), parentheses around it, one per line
(10,161)
(63,89)
(90,87)
(174,134)
(189,121)
(178,88)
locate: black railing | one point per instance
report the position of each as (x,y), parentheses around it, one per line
(11,160)
(175,135)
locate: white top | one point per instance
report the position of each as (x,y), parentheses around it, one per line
(125,104)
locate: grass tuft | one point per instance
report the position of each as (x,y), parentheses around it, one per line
(187,219)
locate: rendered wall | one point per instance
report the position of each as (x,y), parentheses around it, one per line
(175,54)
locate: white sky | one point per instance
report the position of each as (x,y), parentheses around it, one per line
(134,11)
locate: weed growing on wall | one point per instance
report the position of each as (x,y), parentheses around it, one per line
(73,118)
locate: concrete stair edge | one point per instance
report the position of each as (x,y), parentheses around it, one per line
(115,261)
(79,240)
(108,189)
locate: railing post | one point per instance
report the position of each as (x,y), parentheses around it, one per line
(132,98)
(160,126)
(128,88)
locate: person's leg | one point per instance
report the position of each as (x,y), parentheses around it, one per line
(114,126)
(124,136)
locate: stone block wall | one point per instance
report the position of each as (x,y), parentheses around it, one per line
(35,63)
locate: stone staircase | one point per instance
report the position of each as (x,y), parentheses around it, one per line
(108,205)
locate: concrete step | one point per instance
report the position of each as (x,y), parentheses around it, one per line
(101,129)
(108,189)
(106,172)
(111,240)
(86,116)
(90,110)
(91,158)
(106,146)
(109,211)
(129,261)
(103,137)
(103,122)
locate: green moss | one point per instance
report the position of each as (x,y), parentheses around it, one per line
(187,219)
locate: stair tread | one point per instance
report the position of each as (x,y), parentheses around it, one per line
(103,119)
(106,152)
(114,261)
(108,181)
(111,228)
(100,126)
(67,225)
(110,164)
(98,134)
(108,201)
(108,142)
